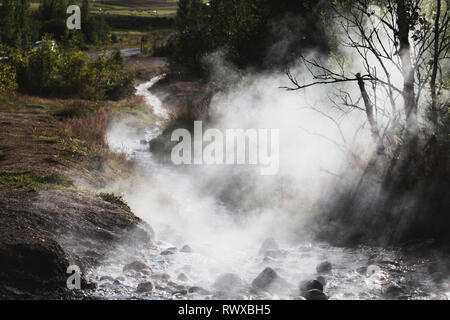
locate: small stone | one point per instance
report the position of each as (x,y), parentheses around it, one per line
(264,279)
(324,267)
(144,287)
(186,249)
(393,291)
(182,277)
(168,251)
(135,266)
(315,294)
(107,278)
(307,285)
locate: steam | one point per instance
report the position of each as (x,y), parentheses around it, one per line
(225,212)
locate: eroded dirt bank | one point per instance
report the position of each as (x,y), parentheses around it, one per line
(51,212)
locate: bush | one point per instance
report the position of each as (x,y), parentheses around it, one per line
(114,199)
(7,78)
(52,70)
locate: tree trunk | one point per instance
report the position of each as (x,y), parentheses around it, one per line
(408,71)
(370,115)
(434,113)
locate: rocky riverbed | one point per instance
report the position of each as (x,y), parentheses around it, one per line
(190,259)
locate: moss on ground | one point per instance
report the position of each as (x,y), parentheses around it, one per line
(34,180)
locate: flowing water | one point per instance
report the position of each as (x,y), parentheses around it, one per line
(174,202)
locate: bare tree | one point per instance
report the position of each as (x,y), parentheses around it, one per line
(390,37)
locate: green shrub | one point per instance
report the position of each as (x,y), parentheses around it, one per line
(51,70)
(114,199)
(7,78)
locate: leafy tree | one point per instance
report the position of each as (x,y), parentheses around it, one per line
(52,16)
(15,23)
(94,29)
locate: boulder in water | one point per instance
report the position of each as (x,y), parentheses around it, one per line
(186,249)
(307,285)
(169,251)
(144,287)
(107,278)
(268,280)
(315,294)
(182,277)
(324,267)
(135,266)
(264,279)
(393,291)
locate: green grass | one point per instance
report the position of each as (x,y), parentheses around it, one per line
(114,199)
(33,180)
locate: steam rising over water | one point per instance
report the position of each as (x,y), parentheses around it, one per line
(225,213)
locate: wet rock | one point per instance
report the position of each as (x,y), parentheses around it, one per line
(182,277)
(120,278)
(315,294)
(117,282)
(168,251)
(144,287)
(182,292)
(30,260)
(88,285)
(308,285)
(269,280)
(199,290)
(228,284)
(324,267)
(107,278)
(393,291)
(268,244)
(135,266)
(186,249)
